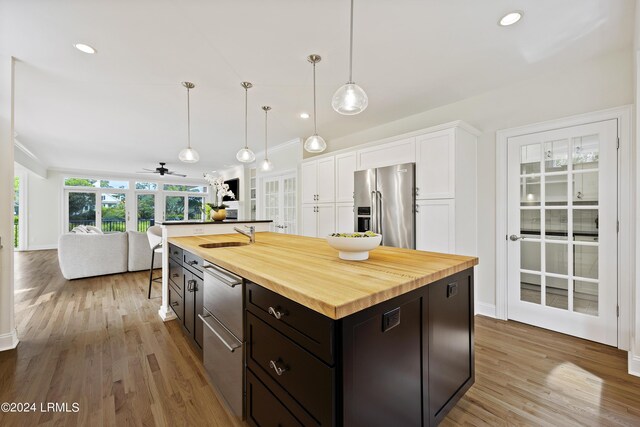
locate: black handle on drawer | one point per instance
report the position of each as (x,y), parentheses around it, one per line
(277,312)
(175,303)
(278,367)
(175,275)
(192,262)
(452,290)
(191,285)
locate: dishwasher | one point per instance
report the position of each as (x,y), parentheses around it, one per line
(223,334)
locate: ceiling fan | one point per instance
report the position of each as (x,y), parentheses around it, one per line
(162,171)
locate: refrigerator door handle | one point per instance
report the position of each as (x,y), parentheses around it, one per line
(379,213)
(374,212)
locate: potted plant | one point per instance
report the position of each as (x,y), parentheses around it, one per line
(219,191)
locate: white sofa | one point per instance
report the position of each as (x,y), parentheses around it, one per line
(86,255)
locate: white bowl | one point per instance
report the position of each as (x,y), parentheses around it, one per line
(354,248)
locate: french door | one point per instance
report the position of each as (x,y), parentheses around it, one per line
(105,209)
(562,222)
(279,202)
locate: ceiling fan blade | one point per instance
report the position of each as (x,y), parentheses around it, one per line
(150,170)
(175,174)
(147,171)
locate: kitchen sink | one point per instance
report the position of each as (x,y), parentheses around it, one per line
(222,245)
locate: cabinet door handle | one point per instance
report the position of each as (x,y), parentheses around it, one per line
(279,370)
(175,303)
(275,312)
(417,191)
(192,263)
(191,285)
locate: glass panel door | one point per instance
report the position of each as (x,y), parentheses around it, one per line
(81,209)
(174,208)
(272,203)
(113,212)
(196,208)
(145,211)
(562,253)
(289,204)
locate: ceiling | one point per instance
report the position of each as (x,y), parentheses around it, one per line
(124,108)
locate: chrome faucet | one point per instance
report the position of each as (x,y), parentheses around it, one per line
(251,234)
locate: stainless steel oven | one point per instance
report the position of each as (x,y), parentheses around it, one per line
(223,346)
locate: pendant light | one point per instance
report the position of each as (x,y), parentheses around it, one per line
(266,163)
(188,155)
(350,99)
(315,143)
(245,155)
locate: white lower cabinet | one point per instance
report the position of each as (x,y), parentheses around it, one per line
(345,222)
(435,225)
(318,220)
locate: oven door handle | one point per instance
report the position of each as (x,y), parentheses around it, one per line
(231,348)
(219,274)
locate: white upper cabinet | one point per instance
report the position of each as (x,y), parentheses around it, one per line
(345,167)
(318,181)
(389,154)
(435,165)
(309,182)
(326,180)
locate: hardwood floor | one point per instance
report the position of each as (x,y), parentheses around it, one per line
(100,342)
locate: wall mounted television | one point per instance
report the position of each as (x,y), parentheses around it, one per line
(234,185)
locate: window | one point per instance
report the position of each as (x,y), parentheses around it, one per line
(118,205)
(185,188)
(151,186)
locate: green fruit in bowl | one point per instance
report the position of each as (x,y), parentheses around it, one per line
(355,235)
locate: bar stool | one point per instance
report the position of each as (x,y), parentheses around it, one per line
(154,234)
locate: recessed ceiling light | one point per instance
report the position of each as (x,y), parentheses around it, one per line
(511,18)
(84,48)
(304,115)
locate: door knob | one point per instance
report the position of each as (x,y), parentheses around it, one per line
(515,238)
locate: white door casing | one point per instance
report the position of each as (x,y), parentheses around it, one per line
(562,227)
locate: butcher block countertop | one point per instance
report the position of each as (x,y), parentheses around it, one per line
(307,270)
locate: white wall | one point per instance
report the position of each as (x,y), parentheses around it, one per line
(8,336)
(600,83)
(43,213)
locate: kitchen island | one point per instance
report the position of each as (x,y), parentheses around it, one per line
(315,340)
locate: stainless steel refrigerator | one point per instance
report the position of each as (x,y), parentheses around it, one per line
(385,203)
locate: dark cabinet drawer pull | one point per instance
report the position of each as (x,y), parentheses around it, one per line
(191,285)
(192,262)
(276,313)
(175,303)
(176,275)
(279,370)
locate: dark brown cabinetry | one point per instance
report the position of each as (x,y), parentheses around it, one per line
(405,361)
(186,290)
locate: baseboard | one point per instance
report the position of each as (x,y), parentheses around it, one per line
(9,341)
(485,309)
(41,247)
(634,364)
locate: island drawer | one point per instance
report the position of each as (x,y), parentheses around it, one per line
(302,375)
(264,409)
(192,261)
(175,253)
(306,327)
(176,302)
(176,274)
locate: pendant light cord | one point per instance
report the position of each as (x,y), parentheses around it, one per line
(188,120)
(351,47)
(246,114)
(266,156)
(315,114)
